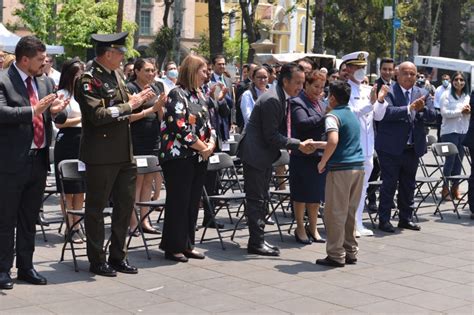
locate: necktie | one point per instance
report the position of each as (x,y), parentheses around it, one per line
(288,118)
(410,133)
(37,119)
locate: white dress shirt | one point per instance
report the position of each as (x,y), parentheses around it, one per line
(24,76)
(454,121)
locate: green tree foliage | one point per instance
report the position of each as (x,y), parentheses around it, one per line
(78,19)
(356,25)
(162,46)
(75,22)
(231,47)
(39,17)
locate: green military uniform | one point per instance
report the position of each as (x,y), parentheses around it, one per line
(106,151)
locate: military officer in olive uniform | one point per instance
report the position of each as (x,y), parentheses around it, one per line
(107,152)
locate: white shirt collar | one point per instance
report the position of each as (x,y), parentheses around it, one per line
(23,75)
(404,90)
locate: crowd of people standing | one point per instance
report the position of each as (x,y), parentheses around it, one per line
(340,132)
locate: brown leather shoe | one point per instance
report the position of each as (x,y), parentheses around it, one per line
(455,192)
(445,193)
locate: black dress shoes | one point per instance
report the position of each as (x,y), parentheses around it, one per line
(351,261)
(301,241)
(31,276)
(6,282)
(123,267)
(171,256)
(263,250)
(103,269)
(271,246)
(403,224)
(329,262)
(386,227)
(313,238)
(194,255)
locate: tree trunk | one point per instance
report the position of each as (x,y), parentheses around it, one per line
(319,26)
(249,29)
(177,27)
(168,4)
(216,44)
(424,28)
(450,36)
(136,35)
(120,16)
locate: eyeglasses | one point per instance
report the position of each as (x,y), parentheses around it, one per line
(459,79)
(261,78)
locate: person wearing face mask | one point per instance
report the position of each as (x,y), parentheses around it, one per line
(365,109)
(445,85)
(171,76)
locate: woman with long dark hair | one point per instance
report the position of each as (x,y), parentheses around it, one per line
(67,143)
(145,130)
(456,112)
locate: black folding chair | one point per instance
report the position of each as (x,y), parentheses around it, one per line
(69,172)
(146,164)
(441,151)
(222,162)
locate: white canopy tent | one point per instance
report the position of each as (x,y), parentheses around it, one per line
(8,41)
(448,64)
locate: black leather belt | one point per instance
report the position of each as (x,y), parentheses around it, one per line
(35,152)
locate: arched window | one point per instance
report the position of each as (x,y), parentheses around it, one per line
(303,30)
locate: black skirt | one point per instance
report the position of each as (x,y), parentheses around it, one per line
(145,136)
(67,147)
(306,184)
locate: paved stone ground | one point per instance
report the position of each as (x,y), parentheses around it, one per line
(431,271)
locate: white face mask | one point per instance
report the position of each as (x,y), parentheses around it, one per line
(359,75)
(172,74)
(445,83)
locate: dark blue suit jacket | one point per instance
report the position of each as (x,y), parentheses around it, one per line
(306,121)
(394,129)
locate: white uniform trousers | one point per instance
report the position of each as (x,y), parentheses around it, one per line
(368,166)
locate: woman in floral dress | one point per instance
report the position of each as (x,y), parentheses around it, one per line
(187,142)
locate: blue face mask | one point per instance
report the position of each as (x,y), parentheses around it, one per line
(445,83)
(172,74)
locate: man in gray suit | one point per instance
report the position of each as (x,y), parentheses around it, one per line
(264,135)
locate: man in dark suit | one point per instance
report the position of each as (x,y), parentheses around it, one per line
(469,143)
(26,108)
(107,152)
(400,142)
(263,137)
(218,76)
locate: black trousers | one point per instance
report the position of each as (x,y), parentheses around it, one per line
(184,180)
(470,194)
(398,170)
(102,181)
(21,197)
(256,185)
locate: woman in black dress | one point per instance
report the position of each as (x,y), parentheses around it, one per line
(187,142)
(306,184)
(145,130)
(67,143)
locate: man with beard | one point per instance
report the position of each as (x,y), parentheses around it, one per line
(27,106)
